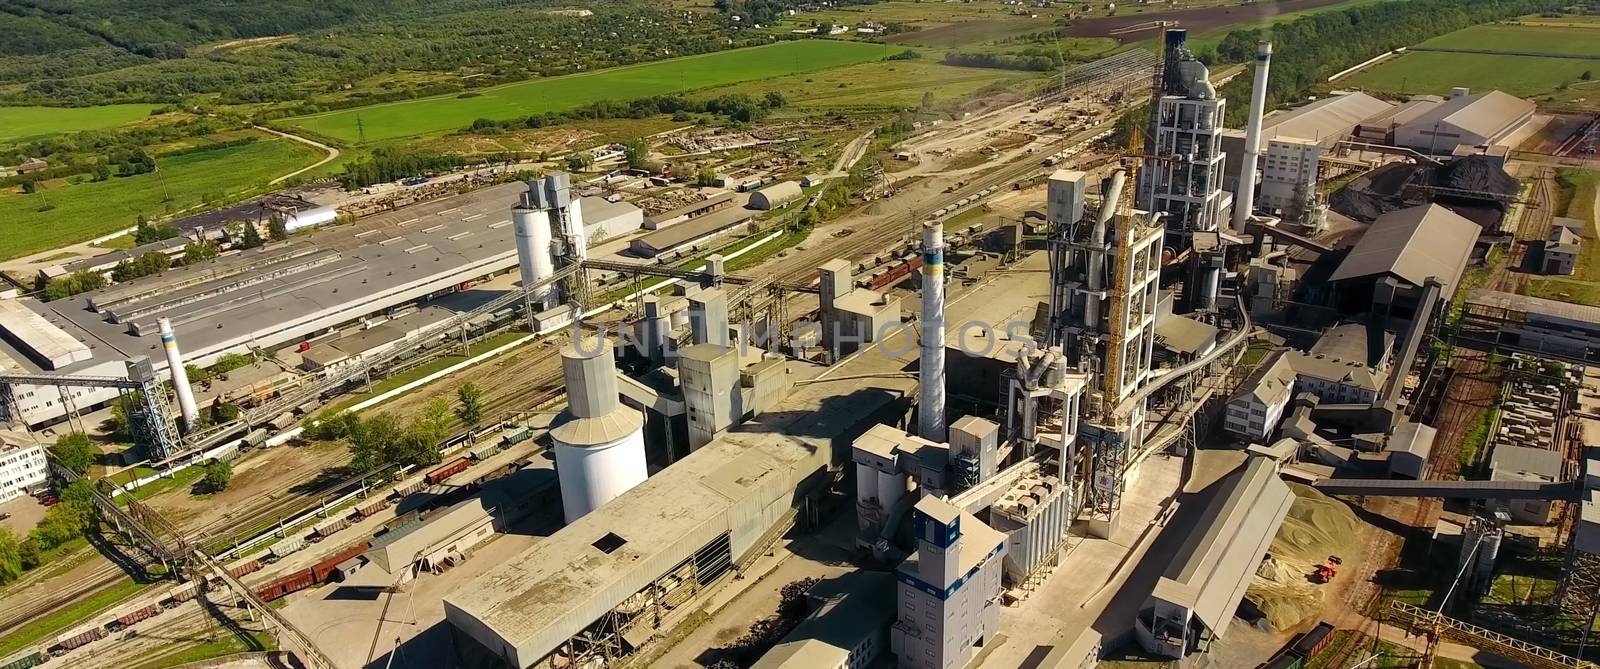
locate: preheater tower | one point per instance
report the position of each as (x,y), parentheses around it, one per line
(548,223)
(180,376)
(599,443)
(930,387)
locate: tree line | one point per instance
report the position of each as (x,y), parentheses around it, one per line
(1308,50)
(736,107)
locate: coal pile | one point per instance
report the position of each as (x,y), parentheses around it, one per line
(1481,174)
(1376,193)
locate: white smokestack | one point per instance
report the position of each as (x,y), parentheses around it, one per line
(180,376)
(930,389)
(1244,204)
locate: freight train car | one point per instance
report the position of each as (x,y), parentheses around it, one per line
(447,470)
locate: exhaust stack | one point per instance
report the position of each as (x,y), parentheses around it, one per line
(1244,204)
(180,376)
(930,387)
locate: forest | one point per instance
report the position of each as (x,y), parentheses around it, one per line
(87,52)
(1309,50)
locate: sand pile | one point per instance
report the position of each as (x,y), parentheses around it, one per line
(1317,526)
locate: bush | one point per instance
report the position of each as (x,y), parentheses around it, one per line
(218,475)
(74,451)
(72,284)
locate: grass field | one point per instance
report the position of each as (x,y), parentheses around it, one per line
(1436,72)
(21,122)
(62,213)
(889,84)
(1534,39)
(38,628)
(448,113)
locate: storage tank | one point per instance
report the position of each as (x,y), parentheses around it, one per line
(532,228)
(599,443)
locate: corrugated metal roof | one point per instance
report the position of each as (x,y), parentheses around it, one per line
(1524,459)
(1485,114)
(1325,121)
(535,601)
(1413,438)
(677,234)
(1215,565)
(1185,335)
(1534,305)
(1272,380)
(1413,244)
(51,345)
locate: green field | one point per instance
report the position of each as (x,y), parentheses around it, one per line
(63,213)
(21,122)
(448,113)
(895,84)
(1531,39)
(1436,72)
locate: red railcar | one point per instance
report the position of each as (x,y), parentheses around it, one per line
(239,570)
(322,570)
(447,470)
(286,585)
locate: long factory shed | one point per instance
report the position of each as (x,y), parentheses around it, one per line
(282,293)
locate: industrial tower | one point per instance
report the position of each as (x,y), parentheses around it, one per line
(548,223)
(1183,179)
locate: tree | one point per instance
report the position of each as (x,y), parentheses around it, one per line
(372,440)
(579,161)
(231,361)
(706,177)
(250,237)
(29,186)
(218,475)
(74,451)
(197,252)
(1587,75)
(10,556)
(774,100)
(72,284)
(637,153)
(102,172)
(145,232)
(470,409)
(927,100)
(277,230)
(425,434)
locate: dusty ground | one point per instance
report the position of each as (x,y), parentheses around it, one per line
(1317,527)
(22,513)
(264,479)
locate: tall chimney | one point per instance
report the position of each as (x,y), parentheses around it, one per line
(180,376)
(930,389)
(1245,203)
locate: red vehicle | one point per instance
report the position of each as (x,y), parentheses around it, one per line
(448,470)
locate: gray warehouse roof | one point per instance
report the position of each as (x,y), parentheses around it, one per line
(1484,114)
(1538,306)
(526,607)
(1217,562)
(1271,380)
(692,230)
(1325,121)
(1413,244)
(1540,462)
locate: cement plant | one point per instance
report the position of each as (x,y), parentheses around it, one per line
(1087,379)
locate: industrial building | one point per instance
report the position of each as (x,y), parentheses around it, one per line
(1308,129)
(847,628)
(327,355)
(1533,324)
(22,467)
(1399,254)
(691,232)
(1526,463)
(775,196)
(1408,450)
(443,537)
(948,592)
(852,317)
(1194,601)
(690,211)
(1255,409)
(1187,191)
(604,219)
(1560,254)
(1482,119)
(106,262)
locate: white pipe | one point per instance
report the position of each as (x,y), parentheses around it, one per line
(930,389)
(180,376)
(1110,198)
(1244,204)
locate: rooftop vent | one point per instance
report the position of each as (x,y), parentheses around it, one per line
(609,543)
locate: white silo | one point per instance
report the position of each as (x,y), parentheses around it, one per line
(532,227)
(599,443)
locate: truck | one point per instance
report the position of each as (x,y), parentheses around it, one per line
(1049,161)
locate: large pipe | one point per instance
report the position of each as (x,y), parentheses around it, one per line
(1244,204)
(180,376)
(930,390)
(1110,199)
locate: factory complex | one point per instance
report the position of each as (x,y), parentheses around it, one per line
(1148,407)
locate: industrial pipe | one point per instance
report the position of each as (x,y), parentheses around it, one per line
(1110,197)
(180,376)
(930,390)
(1244,204)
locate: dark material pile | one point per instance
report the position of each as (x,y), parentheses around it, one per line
(1374,194)
(1477,173)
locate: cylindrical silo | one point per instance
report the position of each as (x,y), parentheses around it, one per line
(599,443)
(891,487)
(532,228)
(866,482)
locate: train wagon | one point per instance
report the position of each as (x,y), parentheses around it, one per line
(287,547)
(407,488)
(179,594)
(282,422)
(285,586)
(28,661)
(447,470)
(240,570)
(372,507)
(78,639)
(324,571)
(479,453)
(514,437)
(133,617)
(327,527)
